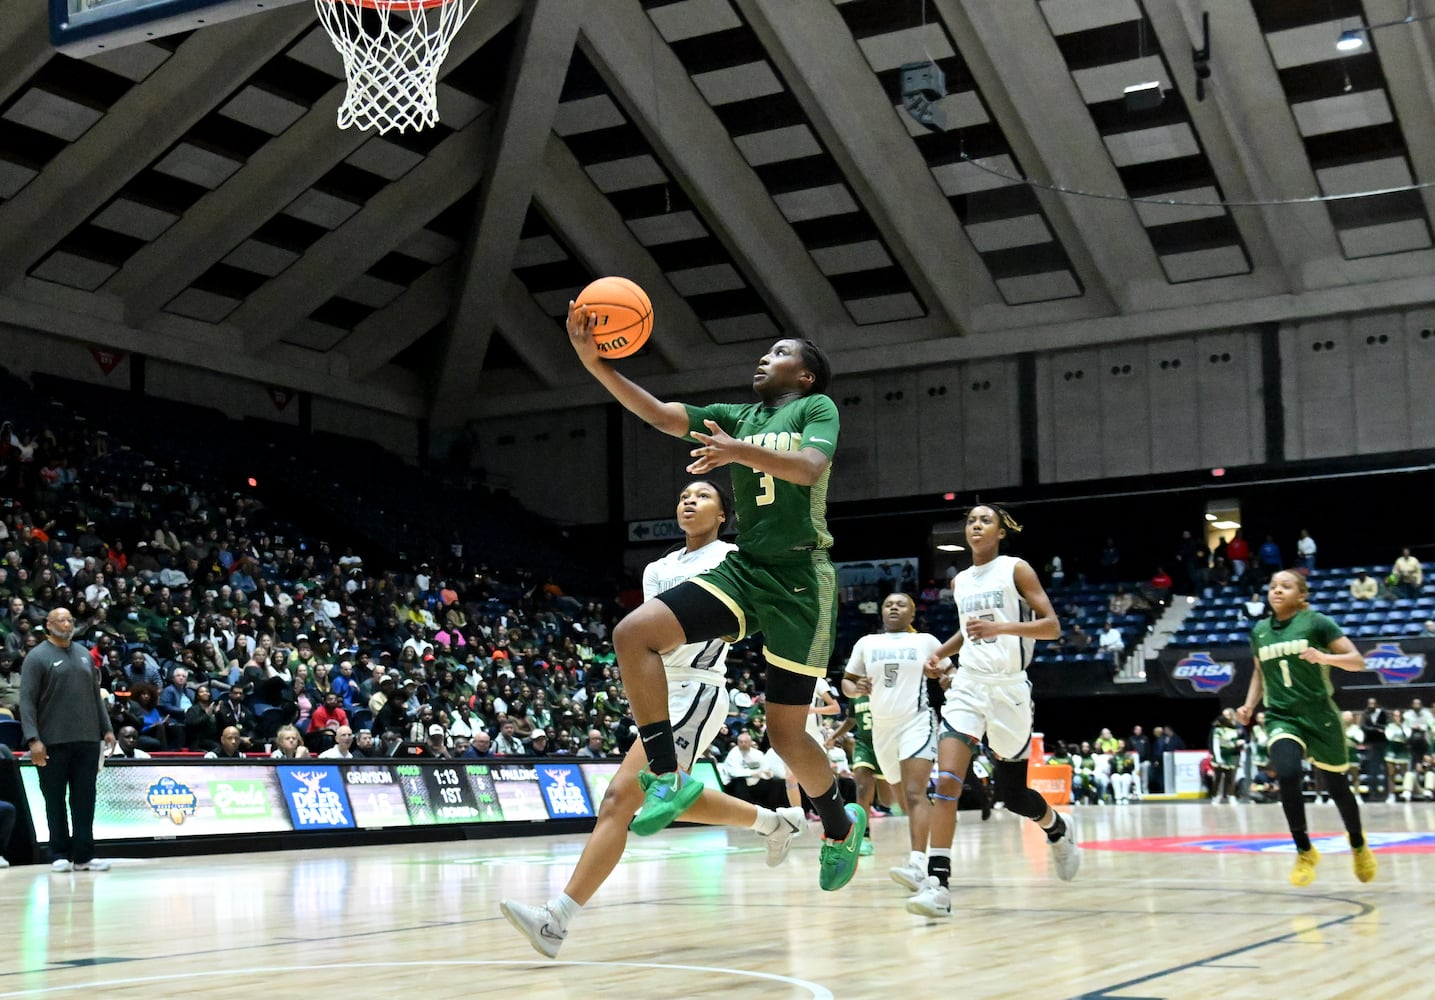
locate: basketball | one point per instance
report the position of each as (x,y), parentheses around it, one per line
(624,315)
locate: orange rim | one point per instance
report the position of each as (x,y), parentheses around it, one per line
(389,6)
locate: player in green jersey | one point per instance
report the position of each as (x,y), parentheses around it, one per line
(864,757)
(779,582)
(1294,650)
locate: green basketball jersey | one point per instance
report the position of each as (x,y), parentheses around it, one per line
(1223,745)
(777,520)
(1294,686)
(862,712)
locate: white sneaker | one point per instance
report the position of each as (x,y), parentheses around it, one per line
(931,900)
(791,822)
(537,924)
(909,876)
(1065,853)
(93,865)
(4,863)
(61,865)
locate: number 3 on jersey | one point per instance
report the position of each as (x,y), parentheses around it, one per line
(769,490)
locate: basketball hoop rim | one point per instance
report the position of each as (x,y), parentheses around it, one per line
(390,6)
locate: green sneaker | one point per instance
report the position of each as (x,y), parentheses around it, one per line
(839,857)
(665,798)
(866,850)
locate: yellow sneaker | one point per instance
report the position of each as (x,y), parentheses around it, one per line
(1303,873)
(1365,864)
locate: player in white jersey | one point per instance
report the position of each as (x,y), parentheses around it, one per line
(697,702)
(889,667)
(1001,610)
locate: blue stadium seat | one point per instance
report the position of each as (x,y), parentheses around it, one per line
(1368,631)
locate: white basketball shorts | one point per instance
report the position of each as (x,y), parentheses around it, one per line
(896,740)
(1000,710)
(698,712)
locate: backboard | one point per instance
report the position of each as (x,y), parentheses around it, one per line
(85,27)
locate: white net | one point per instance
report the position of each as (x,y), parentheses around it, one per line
(392,51)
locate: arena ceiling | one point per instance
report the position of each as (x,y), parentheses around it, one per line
(747,161)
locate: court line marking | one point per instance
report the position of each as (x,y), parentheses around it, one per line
(1362,909)
(817,991)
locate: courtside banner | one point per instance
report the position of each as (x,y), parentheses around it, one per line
(160,800)
(375,796)
(564,790)
(1224,672)
(598,776)
(516,787)
(315,795)
(180,799)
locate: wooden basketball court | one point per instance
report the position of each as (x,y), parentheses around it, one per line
(695,913)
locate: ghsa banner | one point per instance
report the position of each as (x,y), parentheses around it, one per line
(1393,665)
(1225,672)
(1203,673)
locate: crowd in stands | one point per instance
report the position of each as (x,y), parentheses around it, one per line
(202,613)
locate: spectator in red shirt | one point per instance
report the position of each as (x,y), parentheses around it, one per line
(1161,585)
(328,715)
(1238,551)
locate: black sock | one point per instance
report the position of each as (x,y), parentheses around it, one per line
(829,805)
(1057,829)
(657,740)
(940,869)
(1286,757)
(1349,809)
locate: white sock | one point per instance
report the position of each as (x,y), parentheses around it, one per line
(918,860)
(767,822)
(564,907)
(940,852)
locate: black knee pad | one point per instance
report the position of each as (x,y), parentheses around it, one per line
(1287,757)
(1012,789)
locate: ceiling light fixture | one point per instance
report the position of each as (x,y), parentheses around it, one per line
(1147,95)
(1354,39)
(949,547)
(1350,40)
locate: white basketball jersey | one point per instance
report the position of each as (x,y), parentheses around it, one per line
(704,662)
(894,662)
(814,721)
(989,592)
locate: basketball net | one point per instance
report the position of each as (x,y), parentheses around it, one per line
(392,51)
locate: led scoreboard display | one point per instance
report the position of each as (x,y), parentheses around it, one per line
(168,799)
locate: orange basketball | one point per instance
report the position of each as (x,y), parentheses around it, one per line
(624,315)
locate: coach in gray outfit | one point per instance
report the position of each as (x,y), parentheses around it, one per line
(63,719)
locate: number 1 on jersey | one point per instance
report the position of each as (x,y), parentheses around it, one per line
(1286,673)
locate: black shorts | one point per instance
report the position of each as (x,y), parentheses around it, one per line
(703,615)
